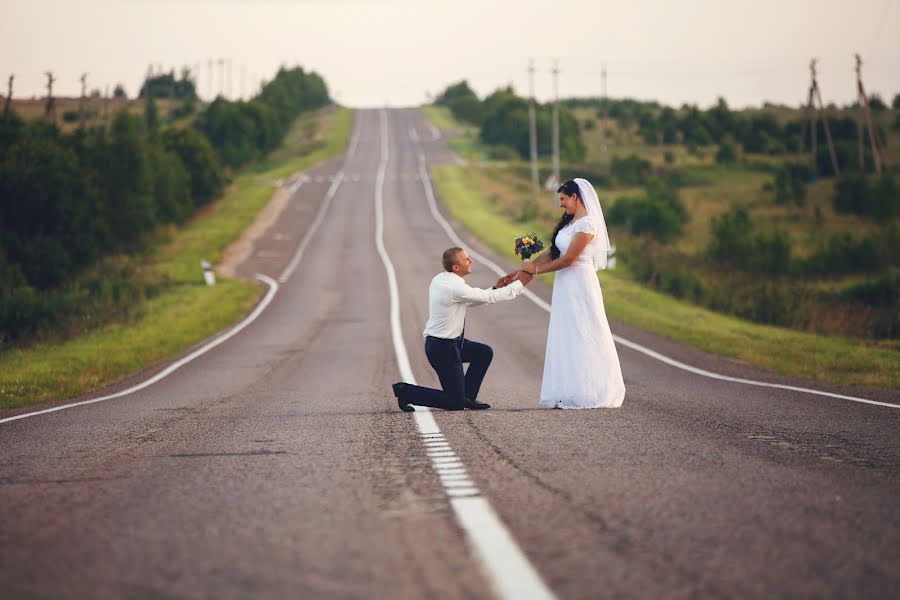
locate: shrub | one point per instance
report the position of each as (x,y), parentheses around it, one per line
(630,170)
(727,153)
(790,185)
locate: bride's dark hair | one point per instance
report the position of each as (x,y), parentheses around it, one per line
(568,188)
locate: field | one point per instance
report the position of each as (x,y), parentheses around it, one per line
(492,199)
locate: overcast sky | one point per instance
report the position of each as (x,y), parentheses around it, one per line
(395,52)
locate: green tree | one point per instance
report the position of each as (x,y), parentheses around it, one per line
(128,182)
(727,152)
(199,159)
(151,115)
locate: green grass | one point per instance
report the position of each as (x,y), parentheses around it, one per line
(836,359)
(460,137)
(186,311)
(169,323)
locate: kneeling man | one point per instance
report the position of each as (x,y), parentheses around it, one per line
(445,343)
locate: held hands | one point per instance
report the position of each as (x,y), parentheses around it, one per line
(506,280)
(529,267)
(522,276)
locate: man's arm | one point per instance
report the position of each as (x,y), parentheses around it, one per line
(462,292)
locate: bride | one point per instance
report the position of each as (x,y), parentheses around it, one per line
(581,367)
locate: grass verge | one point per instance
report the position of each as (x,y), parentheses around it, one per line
(839,360)
(185,311)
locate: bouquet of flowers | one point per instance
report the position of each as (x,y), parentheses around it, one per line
(528,245)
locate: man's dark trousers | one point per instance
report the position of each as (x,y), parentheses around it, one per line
(447,358)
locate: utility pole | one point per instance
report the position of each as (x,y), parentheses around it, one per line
(83,99)
(556,120)
(221,76)
(811,109)
(230,78)
(866,115)
(532,133)
(8,105)
(209,81)
(50,108)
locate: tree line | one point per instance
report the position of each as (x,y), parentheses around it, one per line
(67,200)
(754,132)
(503,121)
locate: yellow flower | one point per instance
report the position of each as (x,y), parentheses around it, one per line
(526,240)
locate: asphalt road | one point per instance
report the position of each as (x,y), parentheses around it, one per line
(277,464)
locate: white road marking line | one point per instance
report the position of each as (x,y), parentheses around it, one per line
(504,563)
(432,203)
(353,141)
(273,288)
(435,132)
(320,216)
(413,135)
(301,179)
(267,299)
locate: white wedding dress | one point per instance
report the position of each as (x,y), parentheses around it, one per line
(581,366)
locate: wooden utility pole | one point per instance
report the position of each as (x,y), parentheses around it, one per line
(222,77)
(50,108)
(815,95)
(209,81)
(8,104)
(81,105)
(866,116)
(532,131)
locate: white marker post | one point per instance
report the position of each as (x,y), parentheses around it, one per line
(208,276)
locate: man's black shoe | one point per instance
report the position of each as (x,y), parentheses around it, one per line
(476,405)
(398,387)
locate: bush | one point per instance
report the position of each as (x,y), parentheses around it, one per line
(730,242)
(727,153)
(630,170)
(659,213)
(843,253)
(853,194)
(502,153)
(790,185)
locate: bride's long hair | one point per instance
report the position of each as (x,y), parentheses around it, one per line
(568,188)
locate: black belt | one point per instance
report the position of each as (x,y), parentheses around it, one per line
(456,340)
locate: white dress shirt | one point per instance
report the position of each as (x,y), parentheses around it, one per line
(449,296)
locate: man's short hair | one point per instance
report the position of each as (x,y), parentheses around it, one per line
(449,258)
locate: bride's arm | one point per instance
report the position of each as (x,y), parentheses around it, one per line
(543,258)
(538,267)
